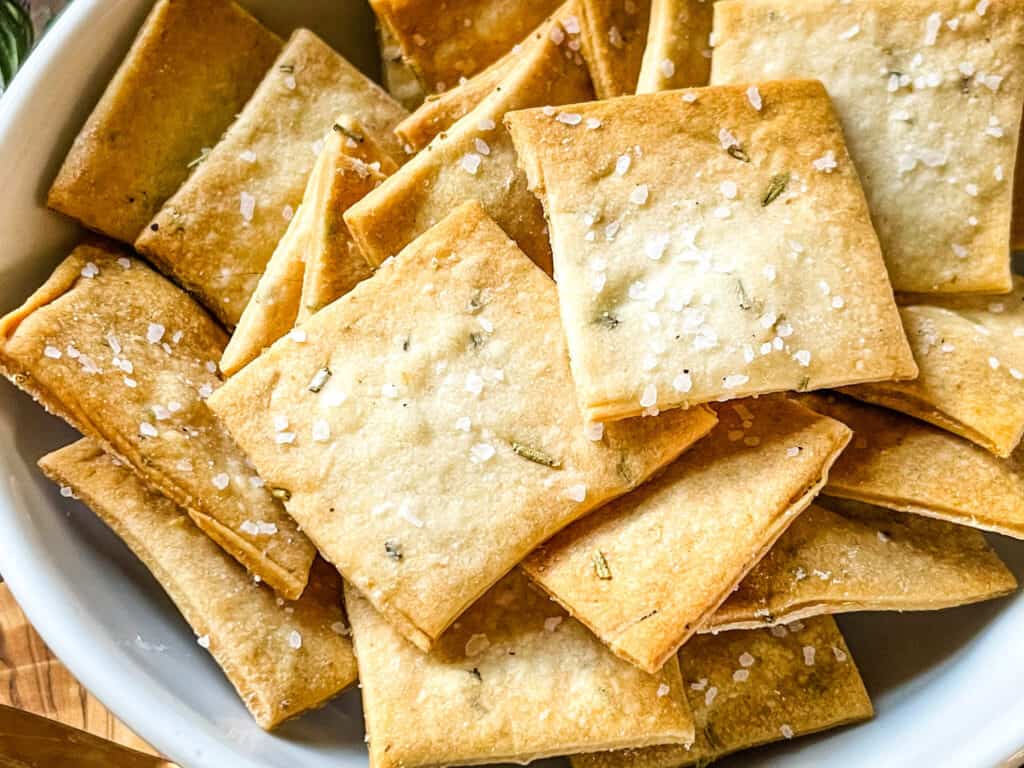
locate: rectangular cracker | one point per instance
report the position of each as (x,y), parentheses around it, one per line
(127,358)
(217,233)
(646,571)
(448,43)
(519,678)
(467,373)
(901,463)
(475,160)
(614,36)
(164,105)
(678,53)
(251,634)
(848,556)
(931,115)
(780,697)
(970,352)
(399,78)
(762,273)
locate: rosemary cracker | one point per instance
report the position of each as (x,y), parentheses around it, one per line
(646,571)
(930,95)
(217,233)
(678,53)
(163,109)
(399,79)
(475,159)
(445,44)
(761,274)
(282,658)
(901,463)
(614,38)
(752,688)
(854,557)
(127,358)
(970,352)
(467,373)
(517,678)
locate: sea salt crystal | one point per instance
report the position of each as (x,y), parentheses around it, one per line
(754,97)
(577,492)
(247,206)
(470,162)
(622,165)
(294,640)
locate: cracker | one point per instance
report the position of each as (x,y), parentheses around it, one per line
(519,679)
(854,557)
(127,358)
(466,371)
(399,78)
(678,53)
(901,463)
(970,352)
(931,115)
(475,159)
(217,233)
(781,697)
(444,45)
(163,107)
(614,38)
(251,634)
(645,572)
(761,274)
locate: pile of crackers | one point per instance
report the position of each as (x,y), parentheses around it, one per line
(564,410)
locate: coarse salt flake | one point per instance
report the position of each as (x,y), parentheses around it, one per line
(246,205)
(577,492)
(470,162)
(294,640)
(754,97)
(622,165)
(593,430)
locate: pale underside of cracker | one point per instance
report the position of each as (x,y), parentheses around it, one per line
(614,38)
(780,696)
(901,463)
(217,233)
(162,108)
(467,372)
(763,274)
(444,45)
(678,53)
(848,556)
(931,114)
(127,358)
(521,679)
(645,572)
(250,634)
(475,160)
(970,352)
(399,78)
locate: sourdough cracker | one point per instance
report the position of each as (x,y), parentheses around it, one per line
(930,95)
(614,37)
(763,275)
(646,571)
(847,556)
(217,233)
(163,107)
(779,697)
(282,658)
(678,53)
(127,358)
(467,372)
(475,159)
(522,680)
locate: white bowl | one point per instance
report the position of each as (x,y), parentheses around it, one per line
(948,686)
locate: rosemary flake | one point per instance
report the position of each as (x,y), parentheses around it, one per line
(349,134)
(775,189)
(601,566)
(319,379)
(745,302)
(288,69)
(739,153)
(607,320)
(393,549)
(535,455)
(804,383)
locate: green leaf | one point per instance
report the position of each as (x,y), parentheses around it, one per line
(16,38)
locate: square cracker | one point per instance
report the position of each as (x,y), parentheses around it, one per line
(762,273)
(217,233)
(164,105)
(431,446)
(614,37)
(901,463)
(646,571)
(854,557)
(475,159)
(127,358)
(781,696)
(931,114)
(459,39)
(518,678)
(678,53)
(970,352)
(250,633)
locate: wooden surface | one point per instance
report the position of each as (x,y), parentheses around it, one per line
(31,679)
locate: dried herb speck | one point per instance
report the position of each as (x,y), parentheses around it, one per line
(349,134)
(741,289)
(393,549)
(601,566)
(476,340)
(775,189)
(739,153)
(281,494)
(535,455)
(805,382)
(288,69)
(607,320)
